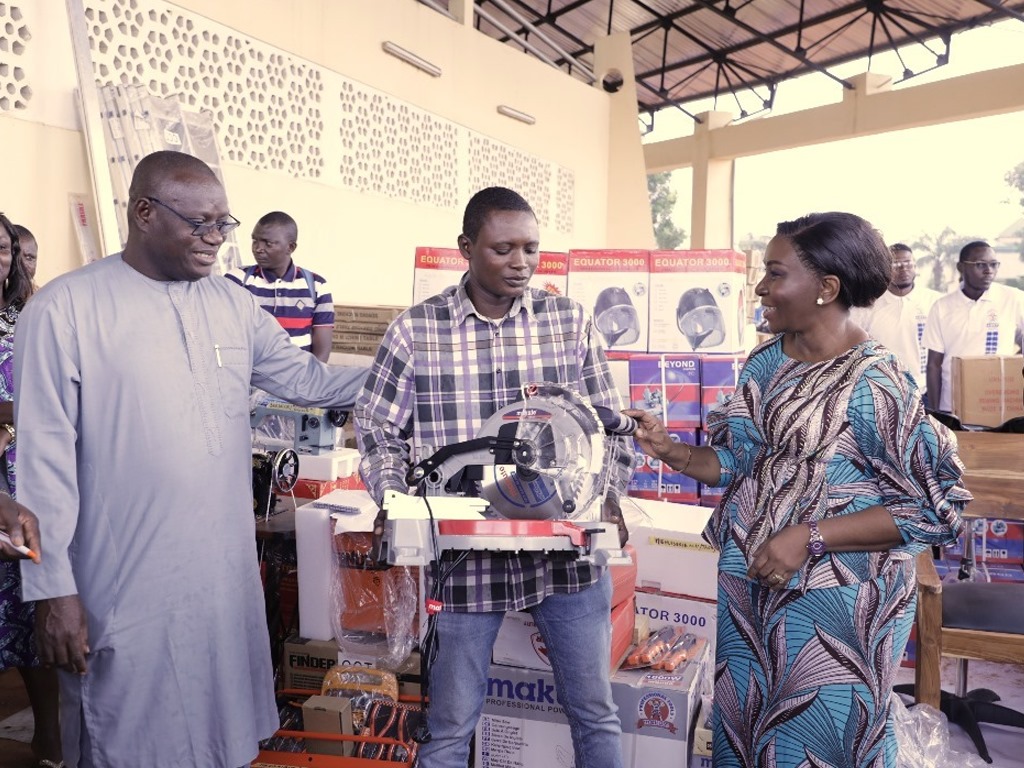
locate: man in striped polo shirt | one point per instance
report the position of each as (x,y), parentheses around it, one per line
(297,297)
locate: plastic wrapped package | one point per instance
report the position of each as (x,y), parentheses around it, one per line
(922,733)
(373,606)
(364,686)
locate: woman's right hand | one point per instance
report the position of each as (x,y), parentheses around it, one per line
(651,435)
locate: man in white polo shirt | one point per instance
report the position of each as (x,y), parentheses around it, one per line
(897,318)
(982,317)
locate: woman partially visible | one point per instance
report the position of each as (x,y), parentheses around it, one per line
(29,254)
(17,647)
(835,479)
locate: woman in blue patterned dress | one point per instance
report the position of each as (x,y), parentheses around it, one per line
(835,480)
(17,648)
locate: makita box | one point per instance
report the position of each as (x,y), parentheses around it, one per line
(996,541)
(697,301)
(612,286)
(437,268)
(718,377)
(668,386)
(523,724)
(654,479)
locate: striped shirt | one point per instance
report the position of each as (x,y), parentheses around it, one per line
(440,372)
(289,300)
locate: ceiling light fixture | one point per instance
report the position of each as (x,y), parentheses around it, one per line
(411,58)
(515,114)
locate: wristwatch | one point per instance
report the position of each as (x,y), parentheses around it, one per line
(816,544)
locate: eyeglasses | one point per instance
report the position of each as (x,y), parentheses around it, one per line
(902,264)
(202,228)
(985,265)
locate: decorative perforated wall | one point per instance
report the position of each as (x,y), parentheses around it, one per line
(275,111)
(15,36)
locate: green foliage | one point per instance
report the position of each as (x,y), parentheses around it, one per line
(663,201)
(1015,178)
(939,254)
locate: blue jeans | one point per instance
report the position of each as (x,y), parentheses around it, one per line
(577,632)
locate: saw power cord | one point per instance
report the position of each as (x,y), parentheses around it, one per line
(443,568)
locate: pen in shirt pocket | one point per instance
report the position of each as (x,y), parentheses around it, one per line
(216,351)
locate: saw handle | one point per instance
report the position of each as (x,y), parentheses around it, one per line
(616,423)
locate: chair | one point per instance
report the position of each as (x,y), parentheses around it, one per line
(973,620)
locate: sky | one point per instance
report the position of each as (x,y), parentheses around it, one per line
(907,183)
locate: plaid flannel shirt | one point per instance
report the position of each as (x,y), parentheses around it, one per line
(440,372)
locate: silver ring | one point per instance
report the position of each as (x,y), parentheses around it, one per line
(775,578)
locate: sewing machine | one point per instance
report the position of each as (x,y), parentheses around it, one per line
(312,429)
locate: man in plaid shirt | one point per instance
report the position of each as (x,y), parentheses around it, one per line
(444,366)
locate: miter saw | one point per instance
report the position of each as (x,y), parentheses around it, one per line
(534,479)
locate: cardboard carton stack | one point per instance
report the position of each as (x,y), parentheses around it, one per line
(987,390)
(358,329)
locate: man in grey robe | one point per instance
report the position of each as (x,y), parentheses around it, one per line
(133,378)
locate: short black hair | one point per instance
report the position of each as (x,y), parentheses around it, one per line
(487,200)
(158,168)
(900,248)
(17,288)
(974,245)
(24,232)
(282,219)
(844,245)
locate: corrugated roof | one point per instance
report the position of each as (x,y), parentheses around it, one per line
(687,50)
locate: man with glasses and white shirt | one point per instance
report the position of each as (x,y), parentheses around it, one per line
(134,449)
(897,318)
(981,317)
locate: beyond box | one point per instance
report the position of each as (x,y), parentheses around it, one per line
(613,286)
(987,390)
(668,386)
(697,301)
(437,268)
(524,725)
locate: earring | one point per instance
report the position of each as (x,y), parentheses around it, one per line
(819,301)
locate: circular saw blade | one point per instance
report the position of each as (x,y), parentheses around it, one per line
(555,472)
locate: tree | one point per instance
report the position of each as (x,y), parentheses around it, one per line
(942,252)
(663,201)
(1015,178)
(754,242)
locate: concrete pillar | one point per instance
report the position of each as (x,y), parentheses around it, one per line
(462,10)
(629,204)
(712,202)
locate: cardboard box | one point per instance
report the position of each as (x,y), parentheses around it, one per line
(305,662)
(519,642)
(552,273)
(672,556)
(330,465)
(718,377)
(613,285)
(697,301)
(365,313)
(438,268)
(523,725)
(653,479)
(307,488)
(623,577)
(697,615)
(668,386)
(328,714)
(988,389)
(618,366)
